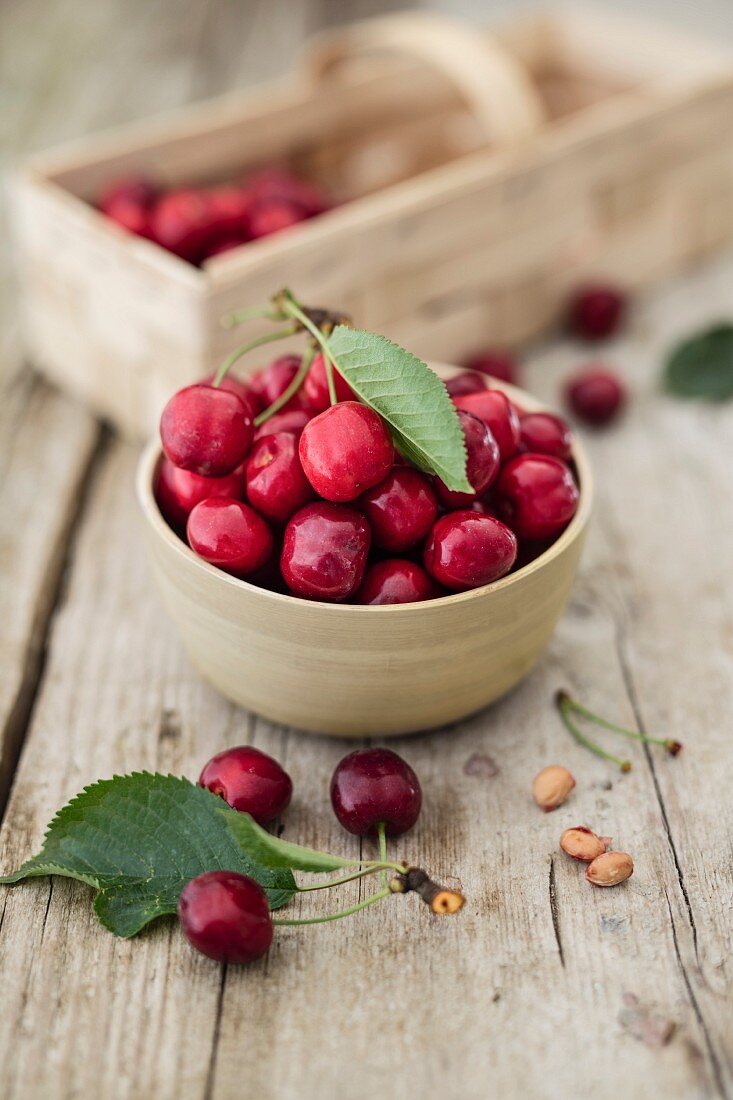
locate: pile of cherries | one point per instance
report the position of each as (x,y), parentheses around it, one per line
(317,503)
(197,223)
(225,915)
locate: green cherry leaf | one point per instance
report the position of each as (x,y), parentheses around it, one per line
(702,365)
(409,396)
(270,851)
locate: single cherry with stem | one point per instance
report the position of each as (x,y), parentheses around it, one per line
(226,916)
(370,787)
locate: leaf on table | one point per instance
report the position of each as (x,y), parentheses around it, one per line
(139,839)
(702,365)
(410,397)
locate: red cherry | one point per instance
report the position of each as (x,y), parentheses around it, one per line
(496,410)
(276,484)
(181,222)
(596,396)
(546,434)
(226,916)
(129,203)
(536,495)
(371,787)
(207,430)
(283,185)
(466,382)
(226,244)
(230,535)
(272,216)
(294,420)
(324,551)
(596,311)
(466,549)
(482,465)
(179,491)
(499,364)
(229,209)
(270,382)
(315,386)
(345,451)
(396,581)
(249,781)
(401,509)
(236,385)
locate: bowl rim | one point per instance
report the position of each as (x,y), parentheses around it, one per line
(152,453)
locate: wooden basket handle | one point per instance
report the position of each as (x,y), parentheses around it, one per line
(498,89)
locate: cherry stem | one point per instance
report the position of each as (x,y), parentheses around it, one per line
(291,308)
(382,834)
(671,746)
(239,316)
(563,702)
(371,870)
(268,338)
(385,893)
(292,389)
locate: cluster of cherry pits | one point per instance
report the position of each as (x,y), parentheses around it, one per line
(197,223)
(224,914)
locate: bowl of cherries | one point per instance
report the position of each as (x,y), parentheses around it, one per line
(353,542)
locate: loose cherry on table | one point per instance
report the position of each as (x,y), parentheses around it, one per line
(373,787)
(468,381)
(229,534)
(249,781)
(401,509)
(595,395)
(324,551)
(271,381)
(596,311)
(466,549)
(545,434)
(345,451)
(276,484)
(226,916)
(498,363)
(482,463)
(316,390)
(497,411)
(206,430)
(536,495)
(396,580)
(179,491)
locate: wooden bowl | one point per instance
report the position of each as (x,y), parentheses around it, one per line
(352,671)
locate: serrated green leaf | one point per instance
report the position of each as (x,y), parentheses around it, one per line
(270,851)
(702,366)
(139,839)
(409,396)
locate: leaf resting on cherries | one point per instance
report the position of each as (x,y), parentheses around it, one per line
(410,397)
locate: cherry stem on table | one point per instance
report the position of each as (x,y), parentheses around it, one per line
(564,707)
(231,359)
(371,870)
(566,700)
(292,389)
(385,893)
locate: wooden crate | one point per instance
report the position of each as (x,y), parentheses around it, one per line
(485,175)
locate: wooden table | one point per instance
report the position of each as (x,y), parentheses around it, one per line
(543,986)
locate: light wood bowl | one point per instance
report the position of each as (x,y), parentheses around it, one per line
(352,671)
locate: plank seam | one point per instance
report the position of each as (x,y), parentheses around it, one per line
(211,1071)
(555,911)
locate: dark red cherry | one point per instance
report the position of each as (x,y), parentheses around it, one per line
(482,465)
(497,411)
(179,491)
(229,209)
(325,551)
(249,781)
(315,386)
(226,916)
(596,396)
(226,244)
(466,549)
(596,311)
(230,535)
(546,434)
(207,430)
(270,382)
(536,495)
(466,382)
(498,363)
(396,580)
(345,451)
(294,420)
(401,509)
(181,222)
(276,484)
(129,202)
(372,787)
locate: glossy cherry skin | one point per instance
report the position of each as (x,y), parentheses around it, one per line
(401,509)
(466,549)
(276,484)
(596,311)
(294,420)
(596,396)
(536,495)
(129,202)
(230,535)
(270,382)
(206,430)
(372,787)
(545,434)
(315,386)
(497,411)
(249,781)
(179,491)
(324,551)
(240,387)
(467,381)
(345,451)
(225,915)
(181,222)
(482,464)
(497,363)
(396,580)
